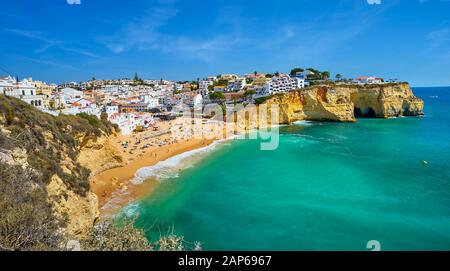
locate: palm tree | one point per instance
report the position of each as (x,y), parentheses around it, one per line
(338,76)
(325,75)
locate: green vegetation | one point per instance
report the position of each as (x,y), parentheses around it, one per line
(262,100)
(123,236)
(215,96)
(107,236)
(315,74)
(220,82)
(137,80)
(295,71)
(248,93)
(102,124)
(325,75)
(26,219)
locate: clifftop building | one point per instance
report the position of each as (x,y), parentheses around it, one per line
(24,90)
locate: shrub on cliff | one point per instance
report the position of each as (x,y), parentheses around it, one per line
(102,124)
(26,218)
(110,236)
(107,236)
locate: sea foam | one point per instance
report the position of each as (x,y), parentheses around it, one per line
(303,123)
(170,167)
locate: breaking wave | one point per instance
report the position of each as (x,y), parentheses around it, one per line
(171,167)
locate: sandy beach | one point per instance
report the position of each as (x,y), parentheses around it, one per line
(114,187)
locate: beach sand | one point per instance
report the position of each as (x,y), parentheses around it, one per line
(105,184)
(114,187)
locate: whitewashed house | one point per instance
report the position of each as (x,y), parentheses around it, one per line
(193,100)
(83,106)
(153,102)
(7,84)
(369,80)
(24,90)
(283,83)
(111,109)
(204,84)
(236,85)
(70,95)
(127,122)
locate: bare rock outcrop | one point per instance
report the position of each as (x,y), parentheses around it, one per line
(79,211)
(345,103)
(98,154)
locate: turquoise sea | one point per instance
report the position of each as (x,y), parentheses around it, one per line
(329,186)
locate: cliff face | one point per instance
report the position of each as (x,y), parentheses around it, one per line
(318,103)
(98,154)
(61,153)
(386,101)
(81,211)
(345,103)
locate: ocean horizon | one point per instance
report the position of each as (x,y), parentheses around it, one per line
(329,186)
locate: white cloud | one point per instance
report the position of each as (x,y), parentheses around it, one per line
(49,43)
(46,62)
(74,2)
(145,34)
(374,2)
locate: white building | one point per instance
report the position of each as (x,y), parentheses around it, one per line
(203,92)
(304,74)
(369,80)
(236,85)
(24,90)
(7,84)
(153,102)
(283,83)
(193,100)
(82,106)
(111,109)
(70,95)
(127,122)
(204,84)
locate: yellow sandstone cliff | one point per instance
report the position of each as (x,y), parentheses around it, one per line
(345,103)
(81,211)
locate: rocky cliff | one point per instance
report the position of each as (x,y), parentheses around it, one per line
(345,103)
(61,153)
(96,153)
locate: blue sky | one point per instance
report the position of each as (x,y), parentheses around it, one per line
(182,40)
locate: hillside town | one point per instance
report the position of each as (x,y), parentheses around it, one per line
(137,104)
